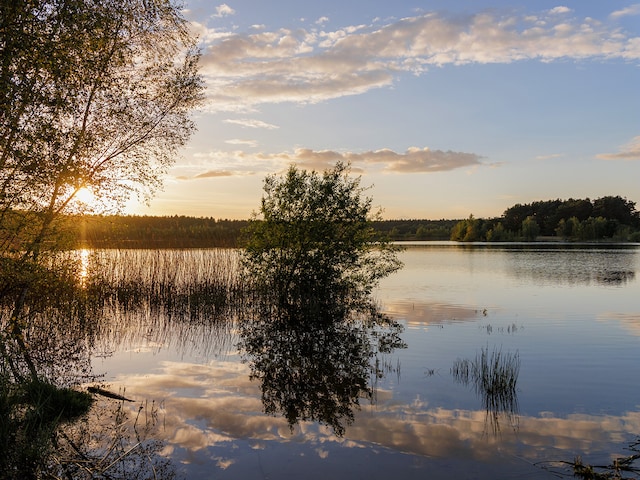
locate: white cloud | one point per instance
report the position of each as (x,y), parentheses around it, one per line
(322,20)
(550,156)
(414,160)
(251,123)
(239,141)
(630,151)
(560,10)
(628,11)
(224,10)
(218,163)
(305,66)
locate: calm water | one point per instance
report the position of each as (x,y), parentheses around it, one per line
(570,316)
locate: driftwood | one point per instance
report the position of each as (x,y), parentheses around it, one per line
(107,393)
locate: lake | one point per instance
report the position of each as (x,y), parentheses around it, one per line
(558,324)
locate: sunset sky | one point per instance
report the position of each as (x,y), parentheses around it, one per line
(446,108)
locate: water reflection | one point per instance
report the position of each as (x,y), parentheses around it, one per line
(573,267)
(213,414)
(318,360)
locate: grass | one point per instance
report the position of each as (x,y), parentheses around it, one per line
(30,414)
(494,376)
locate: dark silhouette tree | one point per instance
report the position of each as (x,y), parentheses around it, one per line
(315,239)
(93,94)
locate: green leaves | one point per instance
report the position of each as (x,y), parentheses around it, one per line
(93,93)
(315,235)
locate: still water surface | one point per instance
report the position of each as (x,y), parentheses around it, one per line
(569,315)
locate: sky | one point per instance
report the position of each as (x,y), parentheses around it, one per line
(444,108)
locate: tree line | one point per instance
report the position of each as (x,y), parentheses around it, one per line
(607,218)
(179,231)
(611,218)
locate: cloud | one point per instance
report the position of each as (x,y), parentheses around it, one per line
(414,160)
(239,141)
(207,174)
(630,151)
(560,10)
(550,156)
(628,11)
(251,123)
(224,10)
(306,66)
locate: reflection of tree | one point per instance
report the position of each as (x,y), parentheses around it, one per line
(113,443)
(494,377)
(314,362)
(571,265)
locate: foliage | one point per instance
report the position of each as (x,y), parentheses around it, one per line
(316,238)
(403,230)
(103,104)
(129,231)
(467,230)
(530,228)
(180,231)
(94,94)
(549,214)
(30,415)
(611,217)
(115,443)
(619,469)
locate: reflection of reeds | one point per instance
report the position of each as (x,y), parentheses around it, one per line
(165,296)
(494,376)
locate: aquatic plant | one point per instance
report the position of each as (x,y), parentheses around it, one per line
(494,376)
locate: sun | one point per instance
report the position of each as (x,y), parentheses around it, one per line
(85,196)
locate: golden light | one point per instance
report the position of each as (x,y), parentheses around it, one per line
(85,196)
(83,272)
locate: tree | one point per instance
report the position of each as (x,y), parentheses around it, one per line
(617,208)
(93,94)
(315,240)
(530,228)
(467,230)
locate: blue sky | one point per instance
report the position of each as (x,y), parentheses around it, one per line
(446,108)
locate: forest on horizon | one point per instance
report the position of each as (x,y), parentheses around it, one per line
(610,218)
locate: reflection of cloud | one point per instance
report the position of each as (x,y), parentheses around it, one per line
(213,406)
(628,321)
(631,151)
(308,65)
(422,313)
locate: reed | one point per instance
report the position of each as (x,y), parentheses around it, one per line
(494,376)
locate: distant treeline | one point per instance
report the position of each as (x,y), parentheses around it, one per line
(117,231)
(129,231)
(607,218)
